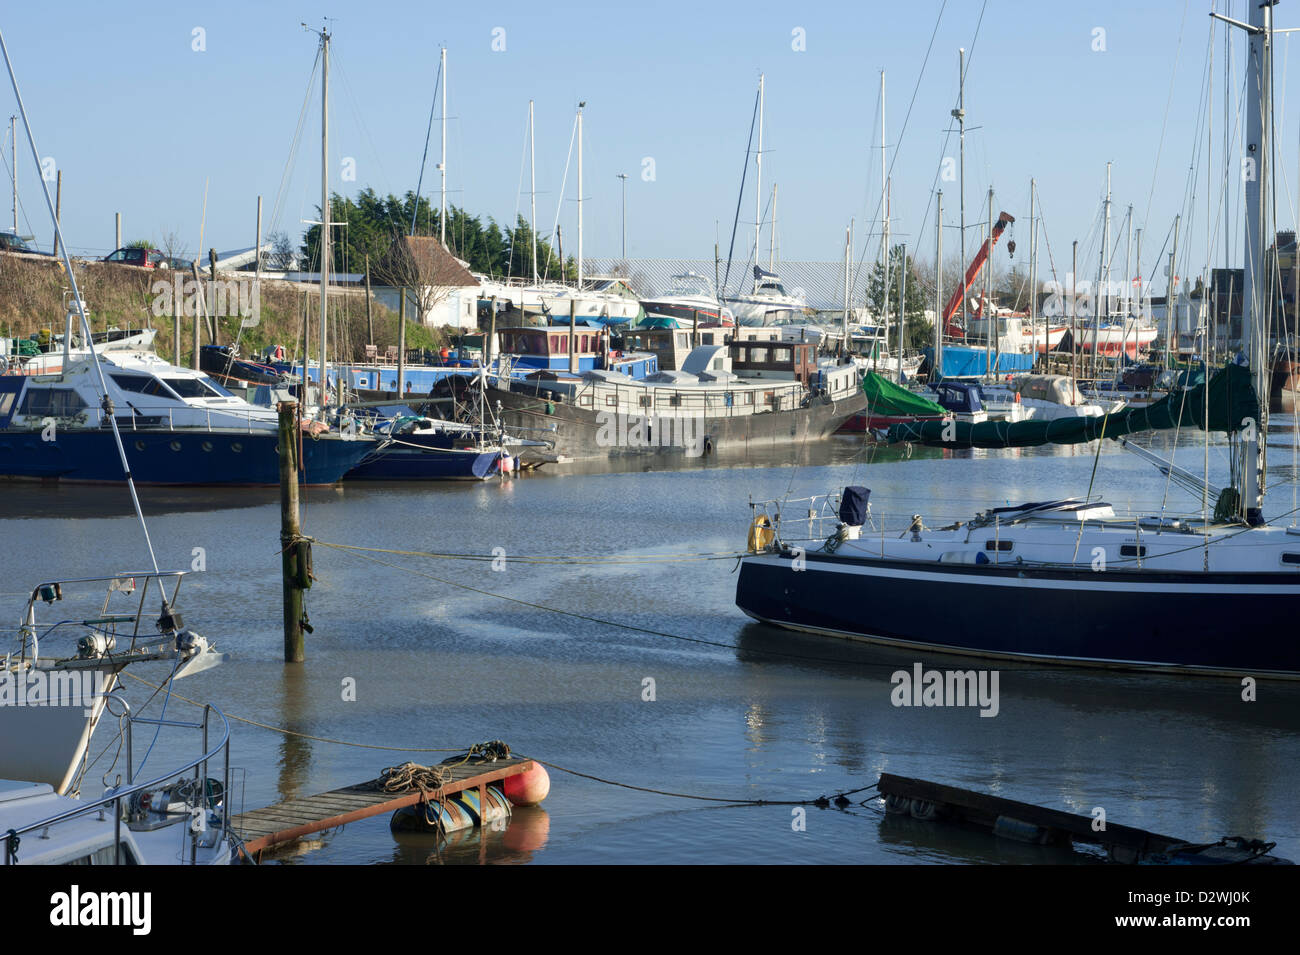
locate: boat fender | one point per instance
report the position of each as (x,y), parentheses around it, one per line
(304,574)
(761,534)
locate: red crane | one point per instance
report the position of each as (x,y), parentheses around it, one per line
(972,273)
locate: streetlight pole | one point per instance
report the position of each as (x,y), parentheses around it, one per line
(623,176)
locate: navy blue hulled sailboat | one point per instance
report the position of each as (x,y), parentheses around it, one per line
(1067,581)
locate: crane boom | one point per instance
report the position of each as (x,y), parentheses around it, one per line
(972,273)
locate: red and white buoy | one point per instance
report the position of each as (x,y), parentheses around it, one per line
(527,788)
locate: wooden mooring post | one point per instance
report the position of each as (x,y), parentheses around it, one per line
(293,549)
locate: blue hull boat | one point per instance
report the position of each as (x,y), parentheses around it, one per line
(412,464)
(199,458)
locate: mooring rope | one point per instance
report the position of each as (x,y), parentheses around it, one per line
(408,776)
(645,559)
(411,775)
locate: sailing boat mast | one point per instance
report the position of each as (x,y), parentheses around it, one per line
(326,246)
(1033,279)
(442,207)
(1254,312)
(532,189)
(848,249)
(580,106)
(959,114)
(938,288)
(758,179)
(884,209)
(771,234)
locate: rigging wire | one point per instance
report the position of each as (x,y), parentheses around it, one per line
(428,134)
(107,410)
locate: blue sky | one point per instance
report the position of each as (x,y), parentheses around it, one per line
(139,121)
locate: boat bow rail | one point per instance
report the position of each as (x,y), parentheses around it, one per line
(172,798)
(798,520)
(97,634)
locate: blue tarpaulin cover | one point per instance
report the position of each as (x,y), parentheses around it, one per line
(962,361)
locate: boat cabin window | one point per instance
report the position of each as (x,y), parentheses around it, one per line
(1293,559)
(1001,546)
(191,388)
(140,385)
(1133,550)
(55,402)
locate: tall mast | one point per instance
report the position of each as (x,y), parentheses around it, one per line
(902,312)
(13,163)
(884,208)
(1104,276)
(771,234)
(1128,266)
(580,105)
(992,347)
(1171,297)
(442,207)
(758,181)
(1257,299)
(326,246)
(848,248)
(884,241)
(960,115)
(532,188)
(1033,277)
(1105,245)
(1141,284)
(1127,317)
(937,364)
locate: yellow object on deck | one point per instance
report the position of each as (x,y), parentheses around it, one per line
(761,534)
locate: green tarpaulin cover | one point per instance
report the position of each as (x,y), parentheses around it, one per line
(887,398)
(1232,401)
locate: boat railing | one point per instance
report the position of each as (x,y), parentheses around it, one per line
(243,418)
(105,624)
(207,811)
(802,519)
(654,400)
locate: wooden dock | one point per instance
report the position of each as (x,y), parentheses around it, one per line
(284,822)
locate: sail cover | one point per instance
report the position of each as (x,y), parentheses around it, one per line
(887,399)
(1232,403)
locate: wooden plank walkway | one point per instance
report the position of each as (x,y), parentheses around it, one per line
(284,822)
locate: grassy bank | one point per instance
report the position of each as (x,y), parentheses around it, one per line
(33,292)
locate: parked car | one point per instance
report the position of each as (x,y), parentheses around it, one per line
(141,258)
(12,242)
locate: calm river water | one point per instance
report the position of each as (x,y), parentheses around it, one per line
(769,715)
